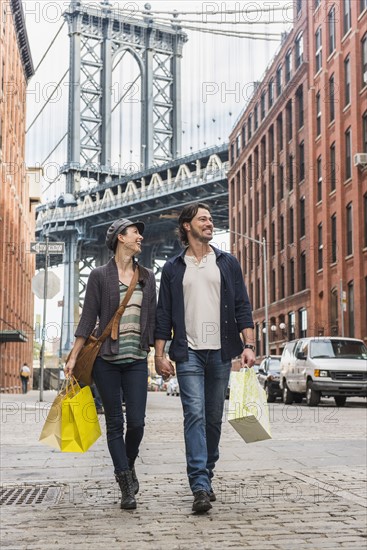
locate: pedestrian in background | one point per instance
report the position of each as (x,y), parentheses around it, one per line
(24,374)
(204,301)
(121,363)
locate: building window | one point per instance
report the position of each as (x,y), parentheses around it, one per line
(332,98)
(250,217)
(318,49)
(331,25)
(364,60)
(318,113)
(257,297)
(271,92)
(281,232)
(348,154)
(279,80)
(364,130)
(320,247)
(289,121)
(249,127)
(299,50)
(302,268)
(281,181)
(273,285)
(272,191)
(265,204)
(256,163)
(244,178)
(346,16)
(288,66)
(280,131)
(249,171)
(263,109)
(302,323)
(302,217)
(317,3)
(244,135)
(333,238)
(256,117)
(365,219)
(290,173)
(301,155)
(282,282)
(263,153)
(292,286)
(319,179)
(273,238)
(362,7)
(271,142)
(350,305)
(332,167)
(299,6)
(299,98)
(257,206)
(291,225)
(349,229)
(347,81)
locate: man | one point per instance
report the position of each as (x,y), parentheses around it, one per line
(203,301)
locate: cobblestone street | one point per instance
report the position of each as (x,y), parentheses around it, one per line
(305,488)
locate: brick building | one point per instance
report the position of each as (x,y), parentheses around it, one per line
(16,211)
(297,181)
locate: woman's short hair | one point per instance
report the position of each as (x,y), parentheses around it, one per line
(187,214)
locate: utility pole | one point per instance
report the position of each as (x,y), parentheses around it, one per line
(42,362)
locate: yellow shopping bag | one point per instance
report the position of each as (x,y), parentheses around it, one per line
(72,423)
(248,410)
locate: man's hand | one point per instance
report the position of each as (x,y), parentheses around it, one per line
(247,358)
(164,367)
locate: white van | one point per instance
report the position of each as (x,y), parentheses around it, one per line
(323,366)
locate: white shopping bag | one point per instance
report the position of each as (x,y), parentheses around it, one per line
(248,410)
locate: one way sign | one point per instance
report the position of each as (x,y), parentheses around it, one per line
(53,248)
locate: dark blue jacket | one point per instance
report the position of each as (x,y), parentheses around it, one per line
(235,307)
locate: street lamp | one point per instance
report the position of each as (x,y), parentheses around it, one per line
(265,271)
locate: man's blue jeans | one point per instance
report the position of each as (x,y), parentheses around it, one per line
(203,381)
(132,379)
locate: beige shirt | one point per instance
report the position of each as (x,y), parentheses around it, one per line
(201,290)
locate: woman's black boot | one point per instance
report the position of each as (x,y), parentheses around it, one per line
(133,475)
(125,480)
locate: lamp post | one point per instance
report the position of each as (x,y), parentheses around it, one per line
(265,274)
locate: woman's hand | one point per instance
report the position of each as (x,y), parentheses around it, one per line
(69,367)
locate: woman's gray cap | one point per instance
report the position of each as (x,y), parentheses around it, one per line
(117,227)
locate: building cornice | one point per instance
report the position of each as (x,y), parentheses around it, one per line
(22,37)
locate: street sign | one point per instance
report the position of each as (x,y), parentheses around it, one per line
(53,248)
(38,285)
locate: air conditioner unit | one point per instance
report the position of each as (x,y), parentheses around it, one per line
(360,159)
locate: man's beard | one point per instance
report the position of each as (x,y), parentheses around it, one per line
(200,237)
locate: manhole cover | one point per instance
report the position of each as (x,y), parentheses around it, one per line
(29,494)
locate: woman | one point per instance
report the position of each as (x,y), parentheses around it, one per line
(121,365)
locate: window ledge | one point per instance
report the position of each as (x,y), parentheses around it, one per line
(332,123)
(349,257)
(331,55)
(363,89)
(334,264)
(363,13)
(347,34)
(346,108)
(332,193)
(348,181)
(320,270)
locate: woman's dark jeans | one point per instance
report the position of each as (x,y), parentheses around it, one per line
(132,379)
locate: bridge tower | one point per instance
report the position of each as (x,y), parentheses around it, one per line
(98,32)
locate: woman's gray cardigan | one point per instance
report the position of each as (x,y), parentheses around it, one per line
(102,299)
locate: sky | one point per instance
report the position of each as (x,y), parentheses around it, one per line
(218,75)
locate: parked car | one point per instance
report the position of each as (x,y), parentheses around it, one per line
(269,376)
(172,387)
(323,366)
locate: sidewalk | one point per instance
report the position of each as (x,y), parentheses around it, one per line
(304,488)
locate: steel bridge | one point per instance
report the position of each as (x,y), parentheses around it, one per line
(95,193)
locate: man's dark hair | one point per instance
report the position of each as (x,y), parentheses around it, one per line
(186,216)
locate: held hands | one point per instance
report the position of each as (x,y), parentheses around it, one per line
(164,367)
(247,358)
